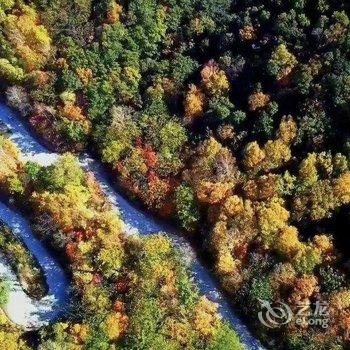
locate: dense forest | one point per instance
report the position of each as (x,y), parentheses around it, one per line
(130,292)
(230,117)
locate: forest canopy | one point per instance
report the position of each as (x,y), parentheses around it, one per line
(120,281)
(230,117)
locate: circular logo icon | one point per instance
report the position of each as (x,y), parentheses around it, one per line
(276,315)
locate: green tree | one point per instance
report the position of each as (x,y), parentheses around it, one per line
(331,279)
(186,208)
(4,292)
(225,338)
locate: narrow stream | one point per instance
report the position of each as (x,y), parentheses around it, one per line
(134,219)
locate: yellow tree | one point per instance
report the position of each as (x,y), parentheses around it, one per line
(258,100)
(272,217)
(287,130)
(206,318)
(277,154)
(226,264)
(194,104)
(69,209)
(253,156)
(30,41)
(204,161)
(10,167)
(308,171)
(114,11)
(233,205)
(287,242)
(342,188)
(214,79)
(282,62)
(213,193)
